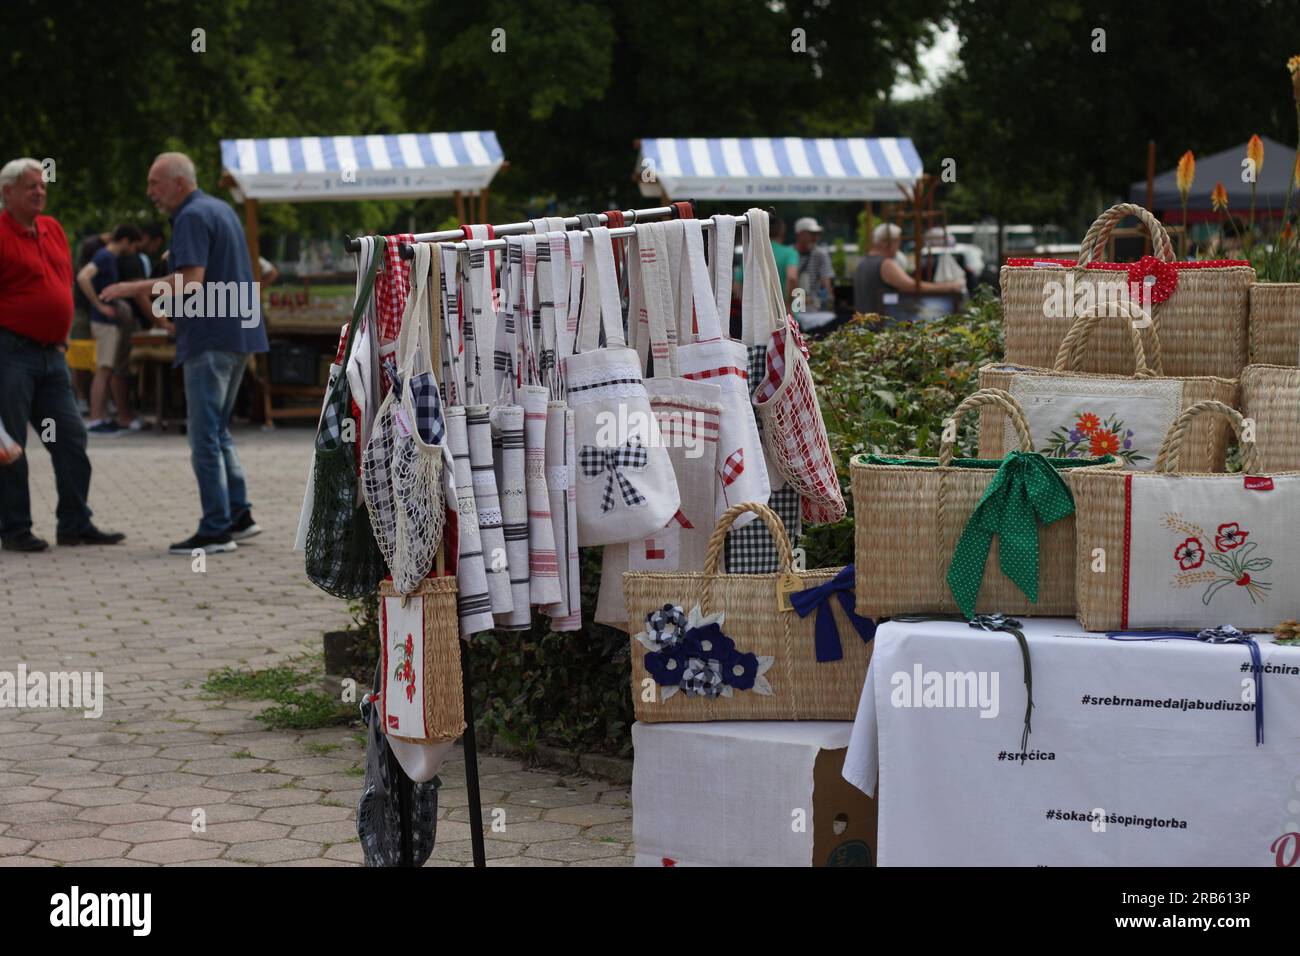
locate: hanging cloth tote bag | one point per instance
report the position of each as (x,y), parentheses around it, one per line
(688,414)
(473,602)
(787,398)
(561,453)
(534,396)
(481,318)
(706,355)
(341,555)
(626,487)
(507,418)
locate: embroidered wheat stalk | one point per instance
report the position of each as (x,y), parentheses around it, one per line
(1174,522)
(1189,579)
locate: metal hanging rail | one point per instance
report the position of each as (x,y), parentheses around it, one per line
(632,216)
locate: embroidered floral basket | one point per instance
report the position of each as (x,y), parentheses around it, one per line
(1073,414)
(1270,399)
(1163,550)
(1202,306)
(714,646)
(1275,323)
(421,695)
(911,513)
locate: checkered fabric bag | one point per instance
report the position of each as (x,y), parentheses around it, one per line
(342,557)
(392,287)
(752,550)
(787,399)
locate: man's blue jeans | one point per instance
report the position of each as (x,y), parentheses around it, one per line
(211,384)
(35,387)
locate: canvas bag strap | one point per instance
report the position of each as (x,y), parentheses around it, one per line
(413,335)
(600,295)
(721,251)
(568,335)
(529,364)
(696,290)
(762,295)
(650,273)
(453,309)
(367,261)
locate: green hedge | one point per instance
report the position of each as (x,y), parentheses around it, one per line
(880,391)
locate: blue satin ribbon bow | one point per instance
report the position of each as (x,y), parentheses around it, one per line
(827,632)
(1224,634)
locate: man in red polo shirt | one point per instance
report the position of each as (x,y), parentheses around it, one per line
(35,318)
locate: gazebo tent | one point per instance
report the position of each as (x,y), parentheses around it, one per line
(1225,167)
(778,168)
(345,168)
(338,168)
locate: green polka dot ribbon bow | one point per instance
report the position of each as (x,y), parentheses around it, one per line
(1025,492)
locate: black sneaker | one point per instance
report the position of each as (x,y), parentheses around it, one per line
(24,542)
(210,543)
(245,527)
(91,535)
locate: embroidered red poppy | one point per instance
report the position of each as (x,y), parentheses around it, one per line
(1190,554)
(1230,536)
(1165,274)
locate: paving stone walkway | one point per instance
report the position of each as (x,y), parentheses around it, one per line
(126,788)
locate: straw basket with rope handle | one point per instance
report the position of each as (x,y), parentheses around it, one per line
(802,688)
(1107,517)
(1203,320)
(1270,398)
(909,514)
(1274,331)
(1208,441)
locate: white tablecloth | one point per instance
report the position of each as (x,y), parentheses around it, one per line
(1148,733)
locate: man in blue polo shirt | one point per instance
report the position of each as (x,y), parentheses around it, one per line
(218,323)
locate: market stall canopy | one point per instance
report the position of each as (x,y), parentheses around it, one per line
(777,168)
(1225,167)
(336,168)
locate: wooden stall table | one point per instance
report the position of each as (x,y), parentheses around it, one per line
(156,351)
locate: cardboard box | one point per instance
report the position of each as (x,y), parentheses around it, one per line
(748,793)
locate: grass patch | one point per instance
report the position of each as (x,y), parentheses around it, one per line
(321,750)
(242,754)
(294,708)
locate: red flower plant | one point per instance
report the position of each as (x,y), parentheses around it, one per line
(1190,554)
(1088,423)
(1230,536)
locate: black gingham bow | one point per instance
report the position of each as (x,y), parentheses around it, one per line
(613,460)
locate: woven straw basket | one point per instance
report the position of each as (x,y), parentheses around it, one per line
(1203,322)
(1275,323)
(909,516)
(1270,397)
(1101,502)
(802,688)
(444,700)
(1207,442)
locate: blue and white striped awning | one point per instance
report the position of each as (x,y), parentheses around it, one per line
(777,168)
(386,166)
